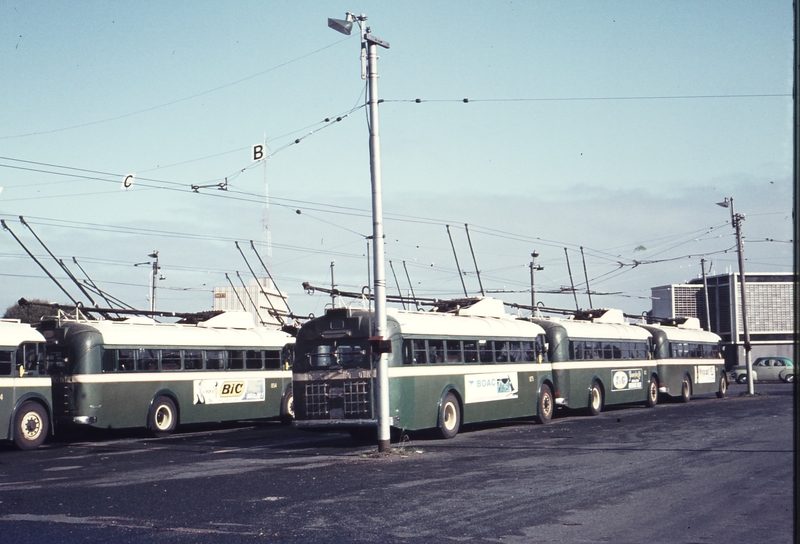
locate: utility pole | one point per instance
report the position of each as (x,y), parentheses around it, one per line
(380,346)
(736,220)
(534,267)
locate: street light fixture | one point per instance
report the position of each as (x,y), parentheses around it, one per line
(736,220)
(154,277)
(380,346)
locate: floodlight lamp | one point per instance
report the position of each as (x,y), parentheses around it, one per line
(724,203)
(153,255)
(344,27)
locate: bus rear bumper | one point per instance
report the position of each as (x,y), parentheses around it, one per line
(84,420)
(561,401)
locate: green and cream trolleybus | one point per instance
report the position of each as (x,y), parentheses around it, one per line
(139,373)
(688,358)
(469,364)
(25,393)
(599,359)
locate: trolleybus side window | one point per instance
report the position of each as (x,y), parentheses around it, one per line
(6,363)
(436,351)
(272,359)
(420,352)
(470,351)
(147,359)
(236,360)
(170,359)
(215,360)
(453,351)
(501,351)
(486,351)
(253,360)
(193,359)
(126,360)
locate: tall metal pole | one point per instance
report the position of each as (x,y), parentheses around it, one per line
(705,294)
(534,267)
(384,437)
(736,219)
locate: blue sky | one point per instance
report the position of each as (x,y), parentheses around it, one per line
(612,126)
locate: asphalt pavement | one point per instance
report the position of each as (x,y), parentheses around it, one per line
(712,470)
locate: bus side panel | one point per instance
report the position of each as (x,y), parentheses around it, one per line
(500,395)
(258,398)
(671,375)
(6,405)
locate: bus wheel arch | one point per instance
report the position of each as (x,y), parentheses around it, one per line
(652,392)
(596,397)
(31,425)
(546,403)
(287,406)
(163,417)
(450,414)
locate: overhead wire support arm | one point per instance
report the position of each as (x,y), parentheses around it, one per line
(46,271)
(458,266)
(280,293)
(474,260)
(59,261)
(244,308)
(274,312)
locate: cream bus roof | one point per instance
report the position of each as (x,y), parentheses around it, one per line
(13,333)
(680,334)
(447,324)
(610,331)
(146,332)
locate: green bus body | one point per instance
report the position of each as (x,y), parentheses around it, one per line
(604,352)
(688,354)
(114,375)
(25,390)
(494,366)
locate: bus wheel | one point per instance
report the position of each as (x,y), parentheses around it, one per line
(545,405)
(287,407)
(723,387)
(450,418)
(31,425)
(164,417)
(652,393)
(595,399)
(686,390)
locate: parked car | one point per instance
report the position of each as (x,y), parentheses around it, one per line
(766,368)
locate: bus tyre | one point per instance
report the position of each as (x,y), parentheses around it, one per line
(450,417)
(545,412)
(287,407)
(686,389)
(652,393)
(595,399)
(163,417)
(31,426)
(723,387)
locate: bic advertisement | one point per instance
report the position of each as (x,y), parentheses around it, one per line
(227,391)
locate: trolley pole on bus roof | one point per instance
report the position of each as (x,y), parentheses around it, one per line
(736,220)
(380,346)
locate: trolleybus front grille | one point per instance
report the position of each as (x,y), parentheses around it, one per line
(348,399)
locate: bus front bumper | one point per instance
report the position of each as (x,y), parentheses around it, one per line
(333,423)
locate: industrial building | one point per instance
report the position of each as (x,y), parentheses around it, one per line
(770,311)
